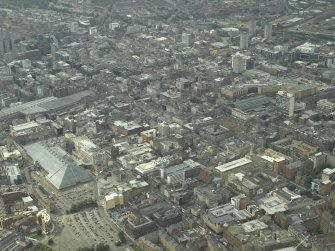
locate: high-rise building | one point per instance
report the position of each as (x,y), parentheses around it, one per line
(186,38)
(285,102)
(252,27)
(244,37)
(74,27)
(239,63)
(281,5)
(268,31)
(6,43)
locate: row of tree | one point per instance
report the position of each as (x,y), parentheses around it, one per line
(82,205)
(99,247)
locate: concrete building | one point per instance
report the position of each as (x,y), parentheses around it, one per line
(30,131)
(128,128)
(112,200)
(131,189)
(328,174)
(268,31)
(312,53)
(246,108)
(137,226)
(221,217)
(89,153)
(14,174)
(320,186)
(43,198)
(255,183)
(285,102)
(244,41)
(239,63)
(234,166)
(6,43)
(234,92)
(212,195)
(27,201)
(257,236)
(186,39)
(148,135)
(167,217)
(181,172)
(152,168)
(74,27)
(252,27)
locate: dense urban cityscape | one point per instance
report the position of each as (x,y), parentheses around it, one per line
(167,125)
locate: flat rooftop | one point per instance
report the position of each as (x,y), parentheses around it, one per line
(253,225)
(147,167)
(252,103)
(186,165)
(25,126)
(272,205)
(233,164)
(227,213)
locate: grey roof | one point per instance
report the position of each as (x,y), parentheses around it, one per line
(222,219)
(15,110)
(252,103)
(64,102)
(176,168)
(43,105)
(62,170)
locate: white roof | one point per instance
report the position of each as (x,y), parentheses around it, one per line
(25,126)
(27,199)
(328,171)
(233,164)
(271,159)
(44,215)
(112,196)
(147,167)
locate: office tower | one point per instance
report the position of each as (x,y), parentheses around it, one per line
(252,27)
(285,102)
(242,4)
(6,43)
(186,38)
(244,41)
(268,31)
(74,27)
(238,63)
(282,5)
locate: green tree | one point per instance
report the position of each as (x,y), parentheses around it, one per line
(39,232)
(122,237)
(82,205)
